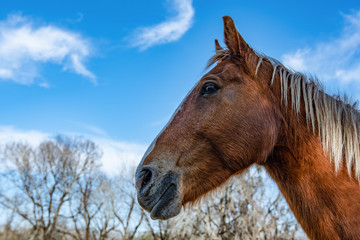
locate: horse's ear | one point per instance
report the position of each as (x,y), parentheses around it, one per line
(233,40)
(237,45)
(217,46)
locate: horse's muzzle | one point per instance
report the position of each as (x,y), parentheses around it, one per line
(158,195)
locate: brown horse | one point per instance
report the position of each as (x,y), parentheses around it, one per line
(251,109)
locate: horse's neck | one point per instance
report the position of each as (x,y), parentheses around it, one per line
(326,203)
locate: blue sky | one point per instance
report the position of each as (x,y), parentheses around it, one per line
(115,71)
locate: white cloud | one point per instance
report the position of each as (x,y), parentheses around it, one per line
(168,31)
(118,156)
(336,61)
(23,46)
(10,134)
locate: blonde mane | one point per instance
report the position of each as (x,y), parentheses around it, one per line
(333,118)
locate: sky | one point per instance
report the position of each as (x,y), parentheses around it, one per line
(115,71)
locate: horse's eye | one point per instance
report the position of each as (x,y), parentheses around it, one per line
(209,88)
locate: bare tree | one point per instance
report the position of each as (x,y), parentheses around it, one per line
(84,205)
(58,191)
(125,208)
(245,210)
(37,182)
(105,208)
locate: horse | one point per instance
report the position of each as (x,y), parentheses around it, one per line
(250,109)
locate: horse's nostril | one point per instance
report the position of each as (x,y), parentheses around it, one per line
(146,175)
(144,178)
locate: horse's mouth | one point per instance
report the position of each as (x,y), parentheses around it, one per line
(168,204)
(163,199)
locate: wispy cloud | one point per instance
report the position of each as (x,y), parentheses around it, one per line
(336,61)
(168,31)
(118,156)
(24,46)
(94,130)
